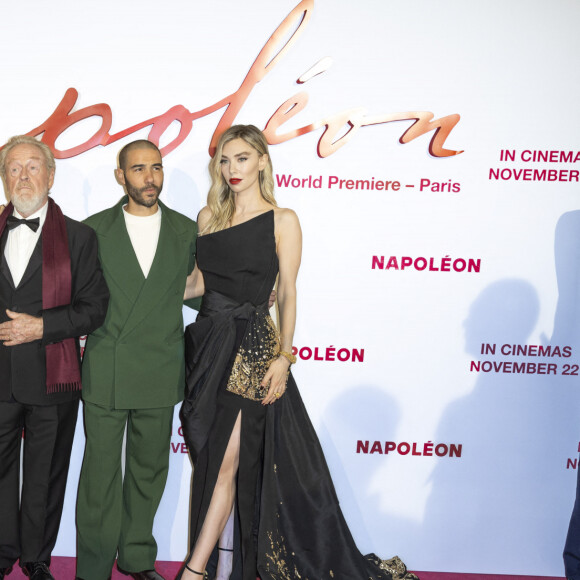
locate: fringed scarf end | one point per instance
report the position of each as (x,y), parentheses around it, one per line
(63,387)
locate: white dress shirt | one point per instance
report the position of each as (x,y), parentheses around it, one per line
(21,243)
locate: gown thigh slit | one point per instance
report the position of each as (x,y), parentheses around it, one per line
(210,462)
(207,470)
(221,494)
(288,516)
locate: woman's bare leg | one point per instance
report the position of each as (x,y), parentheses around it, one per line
(225,549)
(220,507)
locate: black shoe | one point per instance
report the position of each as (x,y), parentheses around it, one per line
(5,572)
(143,575)
(37,571)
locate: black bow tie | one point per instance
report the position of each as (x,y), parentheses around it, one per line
(14,222)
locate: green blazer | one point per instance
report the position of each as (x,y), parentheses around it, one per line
(135,360)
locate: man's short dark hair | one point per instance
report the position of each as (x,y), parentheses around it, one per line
(139,144)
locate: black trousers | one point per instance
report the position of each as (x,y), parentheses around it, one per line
(29,523)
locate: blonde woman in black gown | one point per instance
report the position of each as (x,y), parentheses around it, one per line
(254,450)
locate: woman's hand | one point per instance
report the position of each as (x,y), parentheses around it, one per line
(276,377)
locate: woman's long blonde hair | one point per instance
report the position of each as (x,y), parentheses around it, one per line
(220,199)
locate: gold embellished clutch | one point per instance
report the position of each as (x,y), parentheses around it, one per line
(260,346)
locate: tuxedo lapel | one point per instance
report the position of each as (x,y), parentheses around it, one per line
(34,263)
(4,269)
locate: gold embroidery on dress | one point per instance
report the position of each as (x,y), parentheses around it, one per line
(281,566)
(252,362)
(395,567)
(278,565)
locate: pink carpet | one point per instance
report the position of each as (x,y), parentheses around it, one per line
(458,576)
(64,569)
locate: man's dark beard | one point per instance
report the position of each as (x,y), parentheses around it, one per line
(136,194)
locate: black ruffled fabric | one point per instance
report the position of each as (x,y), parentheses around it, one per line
(209,343)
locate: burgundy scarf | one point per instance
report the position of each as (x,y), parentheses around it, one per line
(62,365)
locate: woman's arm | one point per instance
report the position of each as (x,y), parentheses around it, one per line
(194,286)
(289,249)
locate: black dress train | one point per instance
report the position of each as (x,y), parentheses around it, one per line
(289,519)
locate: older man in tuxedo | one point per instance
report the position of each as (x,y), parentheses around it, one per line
(52,291)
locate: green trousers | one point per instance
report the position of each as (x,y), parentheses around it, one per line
(114,513)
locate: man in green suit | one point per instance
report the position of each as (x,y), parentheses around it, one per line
(133,371)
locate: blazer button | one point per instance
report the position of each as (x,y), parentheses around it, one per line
(15,308)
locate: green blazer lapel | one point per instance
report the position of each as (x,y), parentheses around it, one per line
(168,270)
(121,265)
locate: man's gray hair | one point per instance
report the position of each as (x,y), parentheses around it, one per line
(25,140)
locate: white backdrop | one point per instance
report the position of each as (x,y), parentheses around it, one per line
(501,502)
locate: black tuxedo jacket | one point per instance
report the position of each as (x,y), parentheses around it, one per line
(23,367)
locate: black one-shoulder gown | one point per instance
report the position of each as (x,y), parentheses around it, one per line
(290,522)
